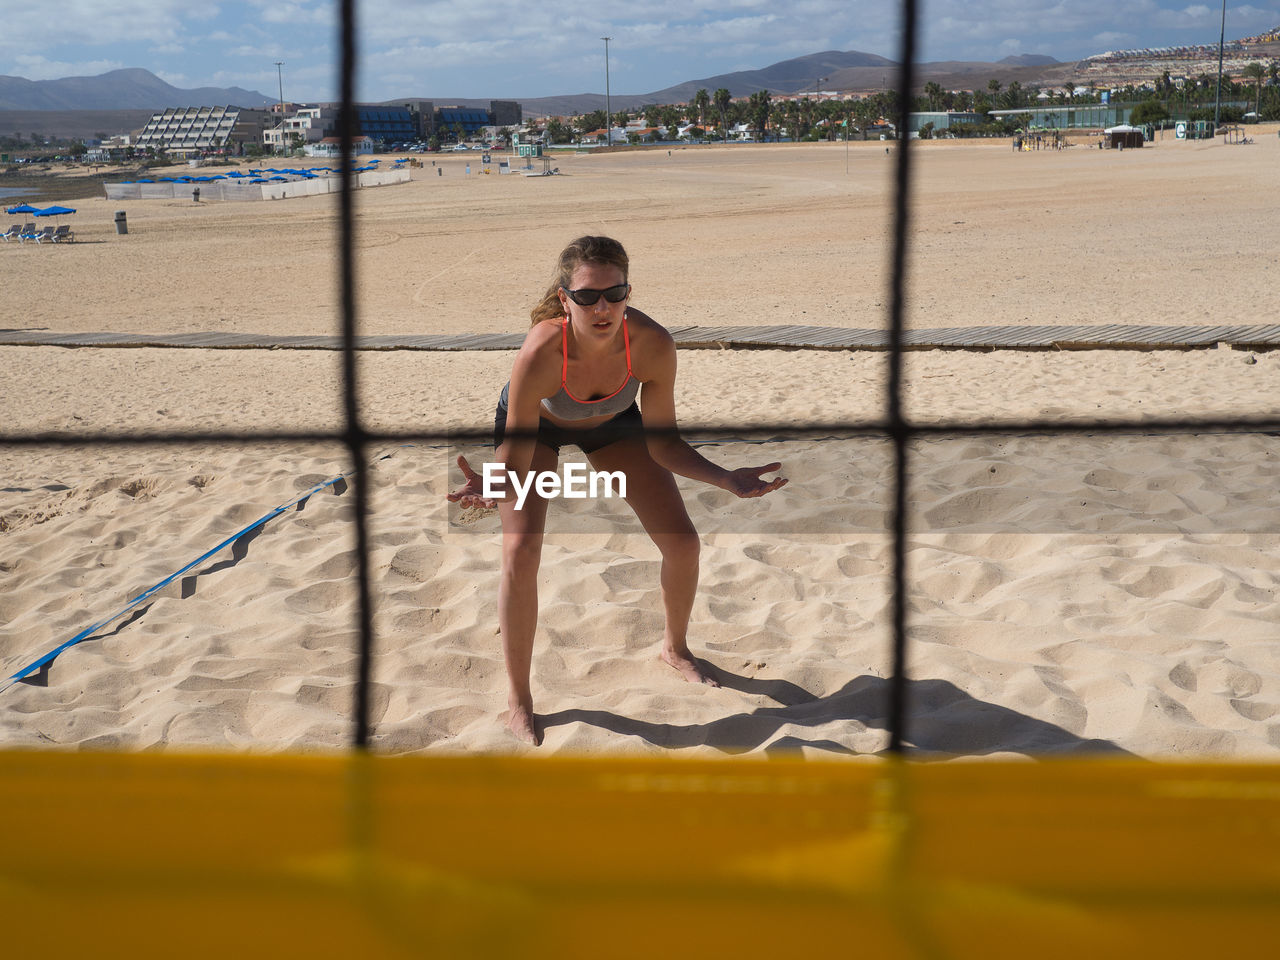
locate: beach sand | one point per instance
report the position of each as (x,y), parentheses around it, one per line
(1087,593)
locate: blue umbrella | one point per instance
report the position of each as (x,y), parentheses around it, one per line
(51,212)
(22,208)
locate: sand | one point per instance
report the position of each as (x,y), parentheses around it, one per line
(1093,593)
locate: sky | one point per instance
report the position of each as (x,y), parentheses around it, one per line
(517,49)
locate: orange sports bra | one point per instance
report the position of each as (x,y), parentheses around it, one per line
(566,406)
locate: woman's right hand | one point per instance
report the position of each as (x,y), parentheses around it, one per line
(471,494)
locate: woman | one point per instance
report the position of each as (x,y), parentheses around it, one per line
(575,381)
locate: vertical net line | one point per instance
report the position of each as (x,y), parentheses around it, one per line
(899,429)
(354,435)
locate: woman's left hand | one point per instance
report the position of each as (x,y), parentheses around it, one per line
(747,482)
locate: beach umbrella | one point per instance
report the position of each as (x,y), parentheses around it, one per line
(52,212)
(22,208)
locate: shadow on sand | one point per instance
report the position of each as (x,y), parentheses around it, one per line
(941,719)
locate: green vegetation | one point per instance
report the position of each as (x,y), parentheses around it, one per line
(1149,111)
(711,115)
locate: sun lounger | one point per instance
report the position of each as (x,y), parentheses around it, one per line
(13,233)
(44,235)
(28,232)
(64,234)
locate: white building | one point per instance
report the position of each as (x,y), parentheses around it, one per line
(331,147)
(193,131)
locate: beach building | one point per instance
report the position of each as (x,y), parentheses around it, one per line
(311,124)
(423,113)
(194,131)
(112,148)
(505,113)
(331,147)
(1085,115)
(468,120)
(384,123)
(430,121)
(941,120)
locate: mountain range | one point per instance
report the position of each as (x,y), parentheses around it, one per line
(131,89)
(138,89)
(829,70)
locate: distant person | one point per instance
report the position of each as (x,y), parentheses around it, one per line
(575,381)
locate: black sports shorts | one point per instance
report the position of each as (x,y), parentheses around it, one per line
(620,426)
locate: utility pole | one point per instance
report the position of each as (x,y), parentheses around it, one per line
(1217,105)
(608,106)
(279,78)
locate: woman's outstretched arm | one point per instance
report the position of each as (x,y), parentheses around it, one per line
(530,381)
(667,447)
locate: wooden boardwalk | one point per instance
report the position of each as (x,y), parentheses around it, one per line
(1059,337)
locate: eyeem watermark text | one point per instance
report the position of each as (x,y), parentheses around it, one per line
(578,483)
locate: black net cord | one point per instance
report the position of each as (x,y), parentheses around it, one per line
(899,429)
(354,436)
(358,440)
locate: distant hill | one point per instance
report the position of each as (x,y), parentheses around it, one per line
(131,89)
(787,76)
(838,70)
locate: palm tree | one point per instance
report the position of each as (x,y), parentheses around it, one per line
(721,99)
(933,91)
(760,111)
(701,100)
(1255,71)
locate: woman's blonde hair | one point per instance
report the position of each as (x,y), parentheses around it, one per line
(596,250)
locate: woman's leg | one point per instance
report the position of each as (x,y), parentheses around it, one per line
(522,532)
(653,494)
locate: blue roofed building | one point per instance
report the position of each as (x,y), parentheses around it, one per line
(386,124)
(470,119)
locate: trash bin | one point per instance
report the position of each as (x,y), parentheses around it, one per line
(122,225)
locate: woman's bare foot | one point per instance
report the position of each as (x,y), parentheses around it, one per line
(521,723)
(687,665)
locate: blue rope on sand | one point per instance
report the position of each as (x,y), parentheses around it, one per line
(88,632)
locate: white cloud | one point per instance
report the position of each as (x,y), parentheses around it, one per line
(523,49)
(296,11)
(36,67)
(91,23)
(1112,41)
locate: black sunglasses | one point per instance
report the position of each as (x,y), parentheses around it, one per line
(587,297)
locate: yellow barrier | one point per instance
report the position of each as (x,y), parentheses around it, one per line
(190,856)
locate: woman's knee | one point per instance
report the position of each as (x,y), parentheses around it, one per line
(521,553)
(681,548)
